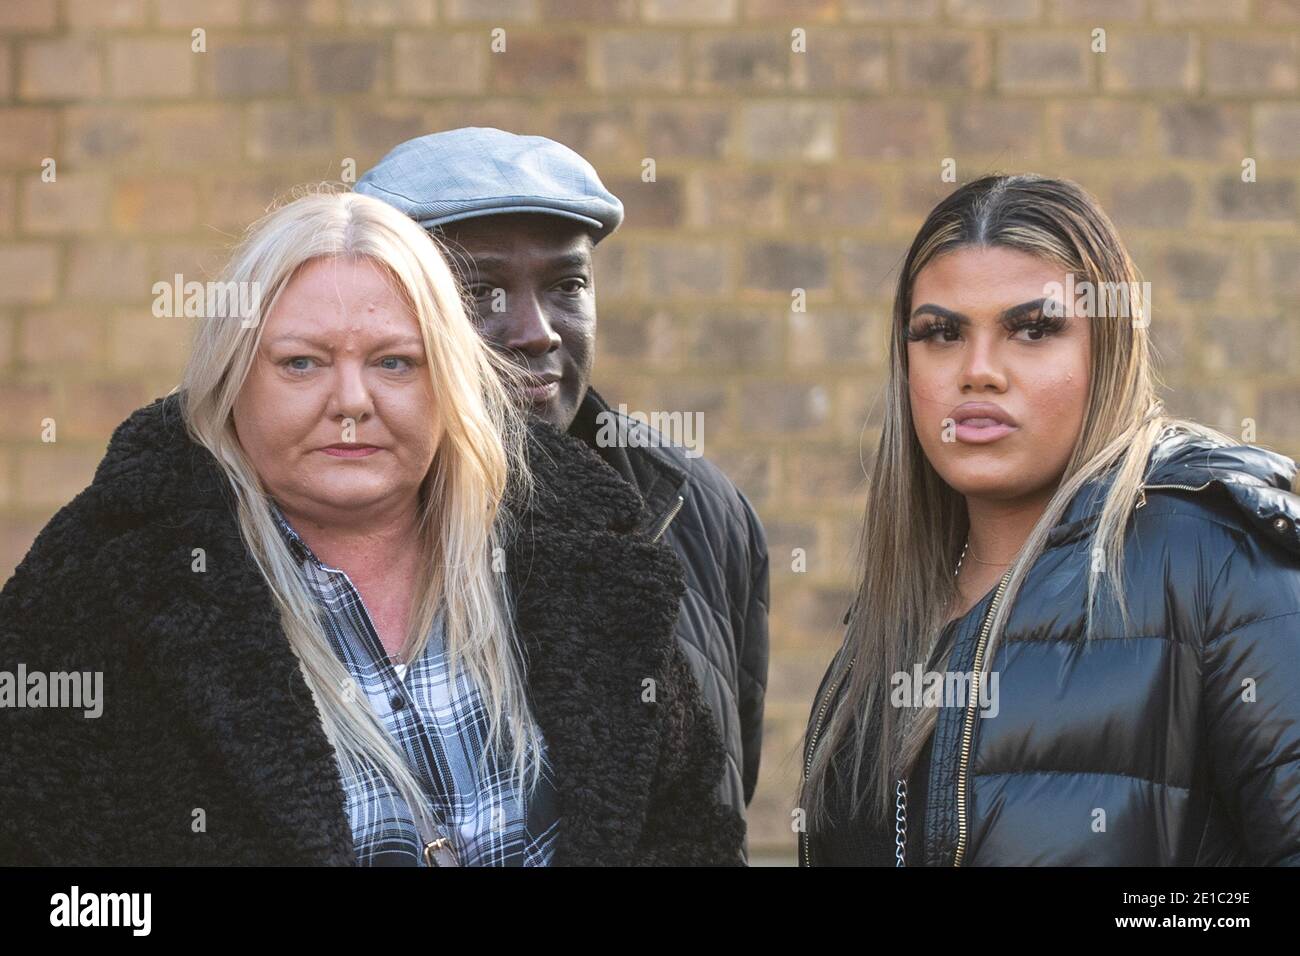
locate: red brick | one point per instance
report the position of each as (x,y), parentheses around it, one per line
(250,67)
(342,66)
(789,129)
(1096,12)
(103,13)
(110,270)
(1100,128)
(27,137)
(63,69)
(490,11)
(688,11)
(28,272)
(75,202)
(434,64)
(152,67)
(52,474)
(741,61)
(292,12)
(1200,11)
(198,13)
(25,404)
(634,60)
(842,60)
(1259,64)
(891,129)
(1040,62)
(389,12)
(887,11)
(1148,62)
(737,199)
(588,11)
(539,62)
(1203,130)
(942,60)
(993,11)
(1277,130)
(152,204)
(61,335)
(23,15)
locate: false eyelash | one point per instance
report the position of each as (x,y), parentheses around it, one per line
(929,327)
(1050,324)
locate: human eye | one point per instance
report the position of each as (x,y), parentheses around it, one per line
(288,364)
(933,326)
(397,358)
(572,285)
(1037,327)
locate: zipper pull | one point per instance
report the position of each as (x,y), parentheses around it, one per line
(672,513)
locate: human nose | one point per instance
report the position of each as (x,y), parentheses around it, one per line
(351,394)
(528,329)
(982,365)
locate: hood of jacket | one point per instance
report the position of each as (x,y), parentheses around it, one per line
(1258,484)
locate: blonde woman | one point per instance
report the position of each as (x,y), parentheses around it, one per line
(1076,637)
(335,620)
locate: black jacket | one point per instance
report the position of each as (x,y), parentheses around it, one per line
(722,626)
(205,707)
(1142,747)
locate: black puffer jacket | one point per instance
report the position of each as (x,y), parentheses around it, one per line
(714,531)
(205,707)
(1176,742)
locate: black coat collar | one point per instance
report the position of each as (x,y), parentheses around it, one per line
(1257,483)
(657,480)
(595,606)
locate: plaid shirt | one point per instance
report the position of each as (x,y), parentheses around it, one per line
(441,726)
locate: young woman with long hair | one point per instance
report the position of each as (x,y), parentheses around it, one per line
(1076,633)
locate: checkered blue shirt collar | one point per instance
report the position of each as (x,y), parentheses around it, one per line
(297,547)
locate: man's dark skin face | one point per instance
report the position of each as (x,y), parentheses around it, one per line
(530,277)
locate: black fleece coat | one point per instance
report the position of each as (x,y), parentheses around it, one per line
(210,750)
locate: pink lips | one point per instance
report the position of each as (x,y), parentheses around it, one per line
(350,451)
(979,423)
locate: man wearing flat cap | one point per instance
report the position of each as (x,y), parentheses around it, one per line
(520,216)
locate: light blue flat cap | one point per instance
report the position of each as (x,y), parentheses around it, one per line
(481,171)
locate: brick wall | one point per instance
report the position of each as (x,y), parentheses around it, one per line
(774,170)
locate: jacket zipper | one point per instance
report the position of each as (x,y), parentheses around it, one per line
(812,748)
(668,518)
(1143,490)
(968,731)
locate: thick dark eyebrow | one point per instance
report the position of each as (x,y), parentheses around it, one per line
(393,341)
(1014,312)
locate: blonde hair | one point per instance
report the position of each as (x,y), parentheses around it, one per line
(478,463)
(915,522)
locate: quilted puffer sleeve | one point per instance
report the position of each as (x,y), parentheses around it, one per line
(754,652)
(1251,675)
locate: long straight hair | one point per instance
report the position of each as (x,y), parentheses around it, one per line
(915,522)
(478,463)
